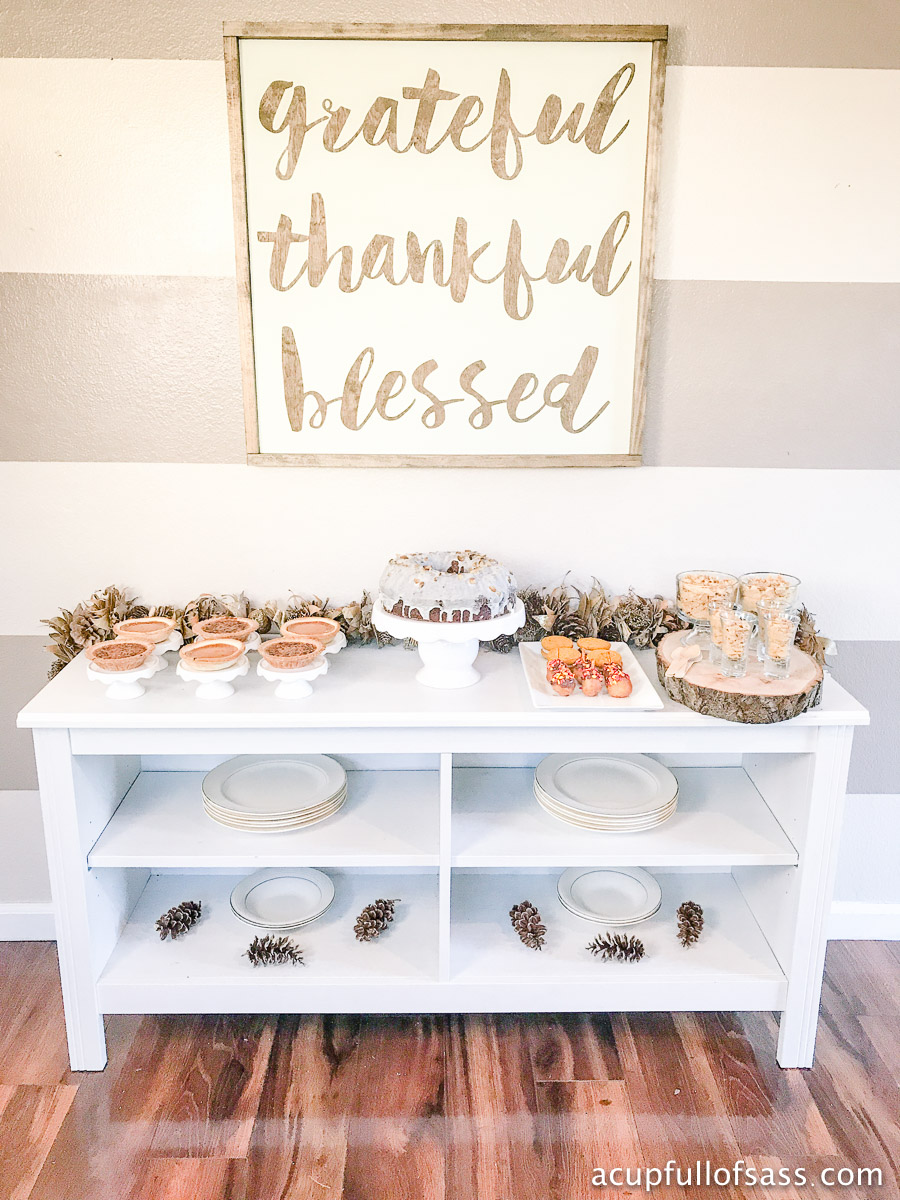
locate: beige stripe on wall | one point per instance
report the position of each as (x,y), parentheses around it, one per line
(772,33)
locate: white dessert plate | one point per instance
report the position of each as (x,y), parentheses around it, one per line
(643,698)
(267,785)
(617,785)
(611,895)
(282,897)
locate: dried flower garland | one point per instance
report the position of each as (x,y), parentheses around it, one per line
(641,621)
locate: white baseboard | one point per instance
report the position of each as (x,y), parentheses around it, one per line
(859,920)
(27,923)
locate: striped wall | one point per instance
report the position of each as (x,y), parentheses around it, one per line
(772,434)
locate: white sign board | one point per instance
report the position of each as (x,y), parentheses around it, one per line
(445,244)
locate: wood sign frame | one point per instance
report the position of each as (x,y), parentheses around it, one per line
(292,382)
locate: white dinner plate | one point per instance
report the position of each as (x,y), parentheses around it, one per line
(282,897)
(612,817)
(272,826)
(608,826)
(267,785)
(614,895)
(251,818)
(606,784)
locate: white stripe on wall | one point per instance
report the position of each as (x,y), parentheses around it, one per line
(121,168)
(173,530)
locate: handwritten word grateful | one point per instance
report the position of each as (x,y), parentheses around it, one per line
(381,124)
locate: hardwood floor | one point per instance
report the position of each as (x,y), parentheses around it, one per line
(443,1108)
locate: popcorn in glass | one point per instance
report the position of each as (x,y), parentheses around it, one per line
(738,627)
(715,607)
(778,629)
(767,585)
(694,590)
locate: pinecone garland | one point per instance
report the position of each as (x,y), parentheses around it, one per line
(503,644)
(272,951)
(690,922)
(374,919)
(526,921)
(617,947)
(179,919)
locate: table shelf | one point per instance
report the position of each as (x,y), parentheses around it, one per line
(730,967)
(721,821)
(390,818)
(205,971)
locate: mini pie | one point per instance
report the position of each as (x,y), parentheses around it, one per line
(236,628)
(148,629)
(320,629)
(212,655)
(118,655)
(287,654)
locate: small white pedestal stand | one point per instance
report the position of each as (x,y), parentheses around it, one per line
(173,642)
(448,649)
(213,685)
(126,685)
(293,685)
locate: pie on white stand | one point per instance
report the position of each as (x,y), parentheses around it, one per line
(448,648)
(295,684)
(127,685)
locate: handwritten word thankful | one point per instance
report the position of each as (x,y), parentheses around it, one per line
(381,124)
(453,271)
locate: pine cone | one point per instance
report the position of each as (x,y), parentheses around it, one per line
(808,638)
(374,919)
(533,604)
(570,625)
(616,947)
(179,920)
(503,644)
(272,951)
(526,921)
(690,922)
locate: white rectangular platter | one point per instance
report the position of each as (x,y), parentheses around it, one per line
(644,695)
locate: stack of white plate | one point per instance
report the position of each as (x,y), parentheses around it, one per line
(609,895)
(281,898)
(611,793)
(274,794)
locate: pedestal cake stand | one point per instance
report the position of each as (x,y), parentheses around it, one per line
(448,649)
(293,684)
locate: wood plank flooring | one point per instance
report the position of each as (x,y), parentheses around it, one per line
(443,1108)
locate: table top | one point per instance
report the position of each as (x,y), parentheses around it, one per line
(370,687)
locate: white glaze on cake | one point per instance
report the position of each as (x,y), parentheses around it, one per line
(447,585)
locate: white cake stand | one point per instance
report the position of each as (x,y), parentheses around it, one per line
(293,684)
(447,648)
(213,685)
(173,642)
(126,685)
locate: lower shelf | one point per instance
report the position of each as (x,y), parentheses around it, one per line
(731,967)
(205,970)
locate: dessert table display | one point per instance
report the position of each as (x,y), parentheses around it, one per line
(440,810)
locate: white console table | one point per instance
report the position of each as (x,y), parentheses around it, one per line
(440,814)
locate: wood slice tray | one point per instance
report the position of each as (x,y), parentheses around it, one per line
(752,700)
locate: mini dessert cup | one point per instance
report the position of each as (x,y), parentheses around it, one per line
(317,629)
(767,585)
(716,607)
(233,628)
(147,629)
(290,654)
(777,631)
(118,655)
(215,654)
(738,627)
(693,592)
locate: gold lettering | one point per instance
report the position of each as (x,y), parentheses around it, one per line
(295,121)
(294,395)
(574,389)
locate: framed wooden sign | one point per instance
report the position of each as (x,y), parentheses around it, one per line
(444,241)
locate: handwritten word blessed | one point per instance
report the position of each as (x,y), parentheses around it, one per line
(381,124)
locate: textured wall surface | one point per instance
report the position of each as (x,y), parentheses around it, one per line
(772,433)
